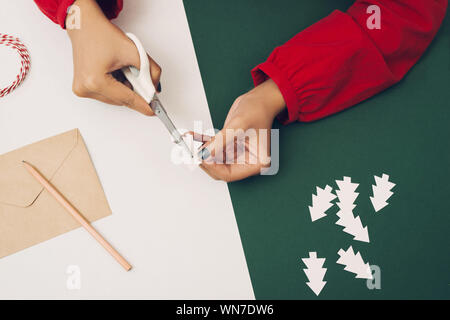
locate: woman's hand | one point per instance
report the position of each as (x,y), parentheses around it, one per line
(242,148)
(99,49)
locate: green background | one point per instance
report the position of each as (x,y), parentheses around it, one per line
(403,132)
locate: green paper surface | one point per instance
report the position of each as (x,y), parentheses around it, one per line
(403,132)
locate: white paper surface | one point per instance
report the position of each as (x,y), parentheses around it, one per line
(175,226)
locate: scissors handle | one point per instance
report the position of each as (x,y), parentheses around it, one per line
(140,79)
(143,85)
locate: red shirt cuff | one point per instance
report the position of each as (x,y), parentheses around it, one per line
(111,9)
(61,14)
(269,70)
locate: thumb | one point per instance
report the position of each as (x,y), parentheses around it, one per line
(217,147)
(123,95)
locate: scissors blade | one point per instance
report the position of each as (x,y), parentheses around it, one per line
(161,113)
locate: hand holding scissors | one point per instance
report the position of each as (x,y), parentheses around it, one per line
(143,85)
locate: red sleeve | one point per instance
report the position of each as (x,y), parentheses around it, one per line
(56,10)
(338,62)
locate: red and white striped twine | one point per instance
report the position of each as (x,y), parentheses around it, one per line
(15,43)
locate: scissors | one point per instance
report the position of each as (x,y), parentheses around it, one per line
(143,85)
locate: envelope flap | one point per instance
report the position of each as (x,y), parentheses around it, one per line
(17,186)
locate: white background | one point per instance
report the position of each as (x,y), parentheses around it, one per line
(175,226)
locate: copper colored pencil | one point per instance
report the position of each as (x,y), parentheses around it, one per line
(76,215)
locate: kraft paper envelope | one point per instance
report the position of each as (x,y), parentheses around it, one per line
(28,214)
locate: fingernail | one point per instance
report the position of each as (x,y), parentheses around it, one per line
(159,87)
(204,154)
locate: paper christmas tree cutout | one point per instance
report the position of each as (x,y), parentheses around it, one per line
(321,202)
(352,225)
(354,263)
(381,192)
(315,272)
(180,156)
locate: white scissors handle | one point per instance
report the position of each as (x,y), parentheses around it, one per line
(143,85)
(140,79)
